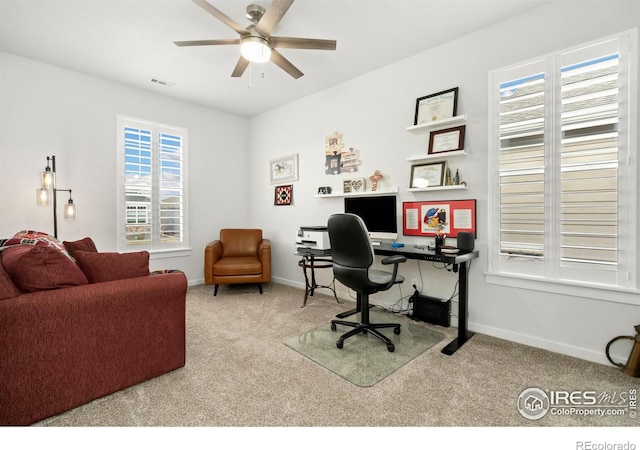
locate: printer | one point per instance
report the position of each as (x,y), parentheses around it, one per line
(313,238)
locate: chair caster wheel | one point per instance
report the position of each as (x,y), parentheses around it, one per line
(340,343)
(391,347)
(396,330)
(333,327)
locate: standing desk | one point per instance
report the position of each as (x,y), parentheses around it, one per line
(459,262)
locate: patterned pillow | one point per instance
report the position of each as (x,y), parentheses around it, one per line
(37,238)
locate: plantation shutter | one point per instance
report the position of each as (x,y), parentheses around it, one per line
(522,167)
(589,162)
(170,187)
(138,185)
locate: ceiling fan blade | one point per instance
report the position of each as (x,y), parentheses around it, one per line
(272,16)
(207,42)
(285,64)
(291,42)
(215,12)
(241,66)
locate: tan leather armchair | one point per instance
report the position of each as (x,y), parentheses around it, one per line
(239,256)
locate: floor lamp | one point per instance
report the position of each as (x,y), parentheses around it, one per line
(49,190)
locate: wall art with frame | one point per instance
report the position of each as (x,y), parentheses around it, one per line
(428,175)
(283,195)
(449,217)
(448,140)
(284,169)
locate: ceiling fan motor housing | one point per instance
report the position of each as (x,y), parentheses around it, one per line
(254,13)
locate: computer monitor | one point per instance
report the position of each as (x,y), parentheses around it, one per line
(378,213)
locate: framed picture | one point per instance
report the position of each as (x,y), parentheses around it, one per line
(284,169)
(428,175)
(449,217)
(283,195)
(355,185)
(448,140)
(438,106)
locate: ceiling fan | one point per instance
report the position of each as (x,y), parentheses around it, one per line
(256,42)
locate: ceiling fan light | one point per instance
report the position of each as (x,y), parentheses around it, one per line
(255,49)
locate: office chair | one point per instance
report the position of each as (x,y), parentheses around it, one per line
(353,256)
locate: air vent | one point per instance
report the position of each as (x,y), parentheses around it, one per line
(162,82)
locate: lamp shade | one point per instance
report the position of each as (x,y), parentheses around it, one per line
(255,49)
(70,211)
(42,196)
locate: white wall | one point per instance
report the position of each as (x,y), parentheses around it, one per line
(372,112)
(45,110)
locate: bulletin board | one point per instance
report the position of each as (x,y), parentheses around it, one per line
(448,216)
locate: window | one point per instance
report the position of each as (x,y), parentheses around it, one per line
(152,185)
(562,185)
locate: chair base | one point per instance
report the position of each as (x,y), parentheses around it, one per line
(215,289)
(366,328)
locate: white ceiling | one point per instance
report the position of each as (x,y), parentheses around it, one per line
(131,42)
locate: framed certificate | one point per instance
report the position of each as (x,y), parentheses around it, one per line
(448,140)
(428,175)
(438,106)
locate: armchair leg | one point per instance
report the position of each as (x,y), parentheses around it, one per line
(215,290)
(260,287)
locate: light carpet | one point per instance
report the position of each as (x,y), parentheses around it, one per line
(364,359)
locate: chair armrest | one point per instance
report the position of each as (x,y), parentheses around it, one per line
(395,259)
(212,253)
(264,253)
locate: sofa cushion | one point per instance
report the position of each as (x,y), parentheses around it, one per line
(37,268)
(7,288)
(99,267)
(85,244)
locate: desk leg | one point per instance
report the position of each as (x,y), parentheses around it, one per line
(463,334)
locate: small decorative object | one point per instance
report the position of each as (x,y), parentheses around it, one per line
(438,106)
(324,190)
(332,164)
(448,180)
(284,169)
(357,185)
(456,178)
(448,140)
(428,175)
(377,176)
(283,195)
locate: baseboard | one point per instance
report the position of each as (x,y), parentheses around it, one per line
(569,350)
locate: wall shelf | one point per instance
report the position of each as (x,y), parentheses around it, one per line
(391,190)
(438,188)
(435,156)
(438,124)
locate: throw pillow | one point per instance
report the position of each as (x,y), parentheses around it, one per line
(37,268)
(37,238)
(108,266)
(85,244)
(7,288)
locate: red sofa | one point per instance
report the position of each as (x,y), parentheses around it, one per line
(61,348)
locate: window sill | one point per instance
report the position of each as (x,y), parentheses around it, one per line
(594,291)
(173,253)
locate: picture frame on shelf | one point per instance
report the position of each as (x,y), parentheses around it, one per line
(353,186)
(283,195)
(447,140)
(284,169)
(438,106)
(428,175)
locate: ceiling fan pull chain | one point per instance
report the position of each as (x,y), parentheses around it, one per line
(250,74)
